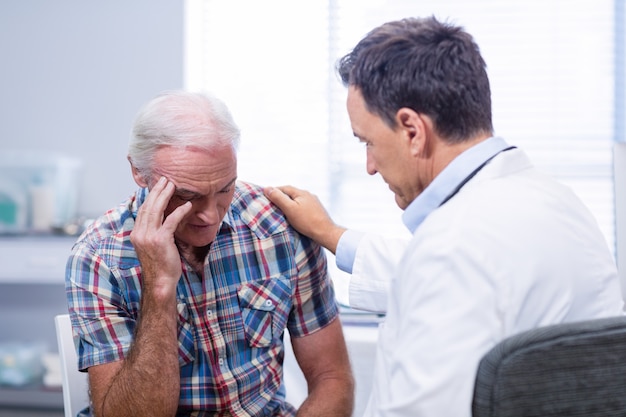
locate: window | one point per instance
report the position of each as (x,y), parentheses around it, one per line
(551,66)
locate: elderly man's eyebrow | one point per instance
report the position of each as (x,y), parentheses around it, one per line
(183,192)
(188,194)
(230,184)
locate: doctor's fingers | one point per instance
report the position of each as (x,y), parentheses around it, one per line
(292,192)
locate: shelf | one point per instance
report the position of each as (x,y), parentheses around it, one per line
(32,397)
(32,275)
(34,258)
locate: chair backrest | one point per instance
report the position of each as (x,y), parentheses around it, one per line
(75,384)
(570,369)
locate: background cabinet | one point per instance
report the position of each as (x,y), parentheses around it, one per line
(74,75)
(32,292)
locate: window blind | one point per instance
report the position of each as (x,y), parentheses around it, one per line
(551,66)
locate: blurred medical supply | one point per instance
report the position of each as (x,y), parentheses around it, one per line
(38,191)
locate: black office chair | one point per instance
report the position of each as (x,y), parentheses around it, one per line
(572,369)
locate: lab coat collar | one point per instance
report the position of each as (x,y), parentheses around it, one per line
(448,180)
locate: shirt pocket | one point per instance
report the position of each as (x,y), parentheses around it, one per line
(265,306)
(186,341)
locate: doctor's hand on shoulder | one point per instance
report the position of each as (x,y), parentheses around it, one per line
(306,214)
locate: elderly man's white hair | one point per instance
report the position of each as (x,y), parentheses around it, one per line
(181,119)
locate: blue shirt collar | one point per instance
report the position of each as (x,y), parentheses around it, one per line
(449,179)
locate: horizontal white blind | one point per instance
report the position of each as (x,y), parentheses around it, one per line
(269,62)
(551,65)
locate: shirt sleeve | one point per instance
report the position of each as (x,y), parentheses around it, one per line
(100,316)
(346,249)
(315,305)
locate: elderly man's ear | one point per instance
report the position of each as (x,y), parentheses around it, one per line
(137,176)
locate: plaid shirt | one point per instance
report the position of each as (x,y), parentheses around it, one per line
(261,277)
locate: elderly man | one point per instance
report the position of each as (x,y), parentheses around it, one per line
(180,296)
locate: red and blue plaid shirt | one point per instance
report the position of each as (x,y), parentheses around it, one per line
(261,277)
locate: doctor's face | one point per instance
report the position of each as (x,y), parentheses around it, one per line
(387,149)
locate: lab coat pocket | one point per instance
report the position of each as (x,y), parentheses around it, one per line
(186,341)
(264,307)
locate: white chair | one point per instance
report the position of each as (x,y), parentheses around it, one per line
(75,384)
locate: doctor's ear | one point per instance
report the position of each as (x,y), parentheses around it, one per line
(415,127)
(139,178)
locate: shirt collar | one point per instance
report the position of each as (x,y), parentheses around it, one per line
(449,179)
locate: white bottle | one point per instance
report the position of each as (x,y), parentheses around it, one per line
(42,207)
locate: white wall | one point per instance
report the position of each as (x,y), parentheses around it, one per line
(73,74)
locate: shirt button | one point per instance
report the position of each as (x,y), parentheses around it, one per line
(209,313)
(221,361)
(268,303)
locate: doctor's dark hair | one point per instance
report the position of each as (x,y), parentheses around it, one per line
(431,67)
(181,119)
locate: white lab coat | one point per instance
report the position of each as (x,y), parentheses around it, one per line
(511,251)
(374,262)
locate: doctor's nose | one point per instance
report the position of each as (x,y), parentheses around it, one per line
(370,166)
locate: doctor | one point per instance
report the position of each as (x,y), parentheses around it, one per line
(497,247)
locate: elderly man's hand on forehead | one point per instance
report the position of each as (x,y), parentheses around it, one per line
(153,236)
